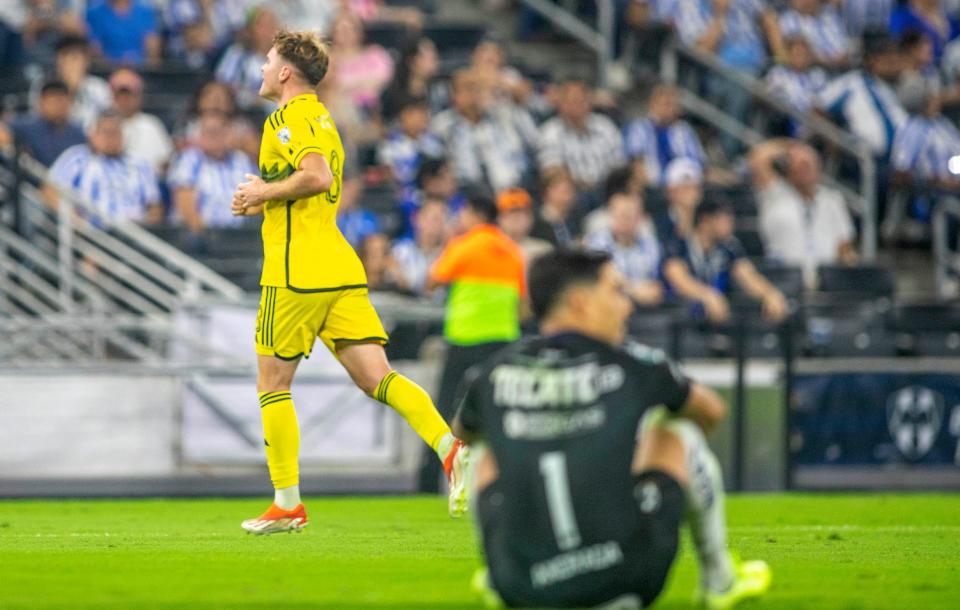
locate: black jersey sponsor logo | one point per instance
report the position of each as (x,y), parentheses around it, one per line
(533,387)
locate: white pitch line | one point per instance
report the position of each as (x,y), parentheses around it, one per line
(845,528)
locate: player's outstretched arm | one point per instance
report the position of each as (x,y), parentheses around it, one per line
(704,407)
(311,178)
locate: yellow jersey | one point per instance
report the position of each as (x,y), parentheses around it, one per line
(303,249)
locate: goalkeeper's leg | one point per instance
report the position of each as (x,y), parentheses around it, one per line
(678,447)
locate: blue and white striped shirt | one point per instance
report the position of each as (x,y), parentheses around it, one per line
(924,146)
(860,16)
(798,89)
(119,188)
(657,146)
(823,31)
(869,107)
(240,68)
(743,44)
(637,262)
(214,181)
(414,262)
(404,155)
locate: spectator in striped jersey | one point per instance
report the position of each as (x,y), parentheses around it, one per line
(587,144)
(797,82)
(820,24)
(629,237)
(863,100)
(198,28)
(203,177)
(488,147)
(926,151)
(919,71)
(738,33)
(416,254)
(407,144)
(241,62)
(118,187)
(653,141)
(864,16)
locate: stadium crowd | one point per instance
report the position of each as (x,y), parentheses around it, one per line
(564,163)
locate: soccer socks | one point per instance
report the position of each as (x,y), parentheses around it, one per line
(414,404)
(281,437)
(705,501)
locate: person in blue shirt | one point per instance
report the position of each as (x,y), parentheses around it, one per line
(928,17)
(408,144)
(48,132)
(703,267)
(124,31)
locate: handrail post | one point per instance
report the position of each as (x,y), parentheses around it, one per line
(868,188)
(606,26)
(65,213)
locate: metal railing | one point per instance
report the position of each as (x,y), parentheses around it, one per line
(600,39)
(946,259)
(77,288)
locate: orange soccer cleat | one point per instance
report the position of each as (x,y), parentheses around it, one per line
(277,520)
(457,467)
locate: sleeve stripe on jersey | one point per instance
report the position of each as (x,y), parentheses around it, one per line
(303,152)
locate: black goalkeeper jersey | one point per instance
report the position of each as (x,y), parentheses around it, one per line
(561,416)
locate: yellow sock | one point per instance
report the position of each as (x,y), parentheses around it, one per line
(281,435)
(414,404)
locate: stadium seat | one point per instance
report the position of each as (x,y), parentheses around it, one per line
(750,239)
(857,283)
(455,37)
(427,7)
(843,327)
(739,196)
(653,326)
(387,35)
(926,329)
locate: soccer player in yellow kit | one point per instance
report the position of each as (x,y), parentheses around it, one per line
(313,283)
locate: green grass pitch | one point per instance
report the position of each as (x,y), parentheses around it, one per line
(827,552)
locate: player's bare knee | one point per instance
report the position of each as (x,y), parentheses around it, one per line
(661,449)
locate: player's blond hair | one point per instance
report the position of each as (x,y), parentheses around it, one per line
(307,52)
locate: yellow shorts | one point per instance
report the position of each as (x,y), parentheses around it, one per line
(289,322)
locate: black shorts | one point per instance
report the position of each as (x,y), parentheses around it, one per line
(648,551)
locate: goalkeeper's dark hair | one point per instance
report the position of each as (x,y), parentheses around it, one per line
(552,274)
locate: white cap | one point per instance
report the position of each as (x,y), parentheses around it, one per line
(682,171)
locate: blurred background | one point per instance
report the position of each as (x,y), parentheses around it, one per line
(777,180)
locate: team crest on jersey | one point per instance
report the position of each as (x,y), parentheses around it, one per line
(284,134)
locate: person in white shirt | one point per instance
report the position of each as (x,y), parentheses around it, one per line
(802,222)
(144,135)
